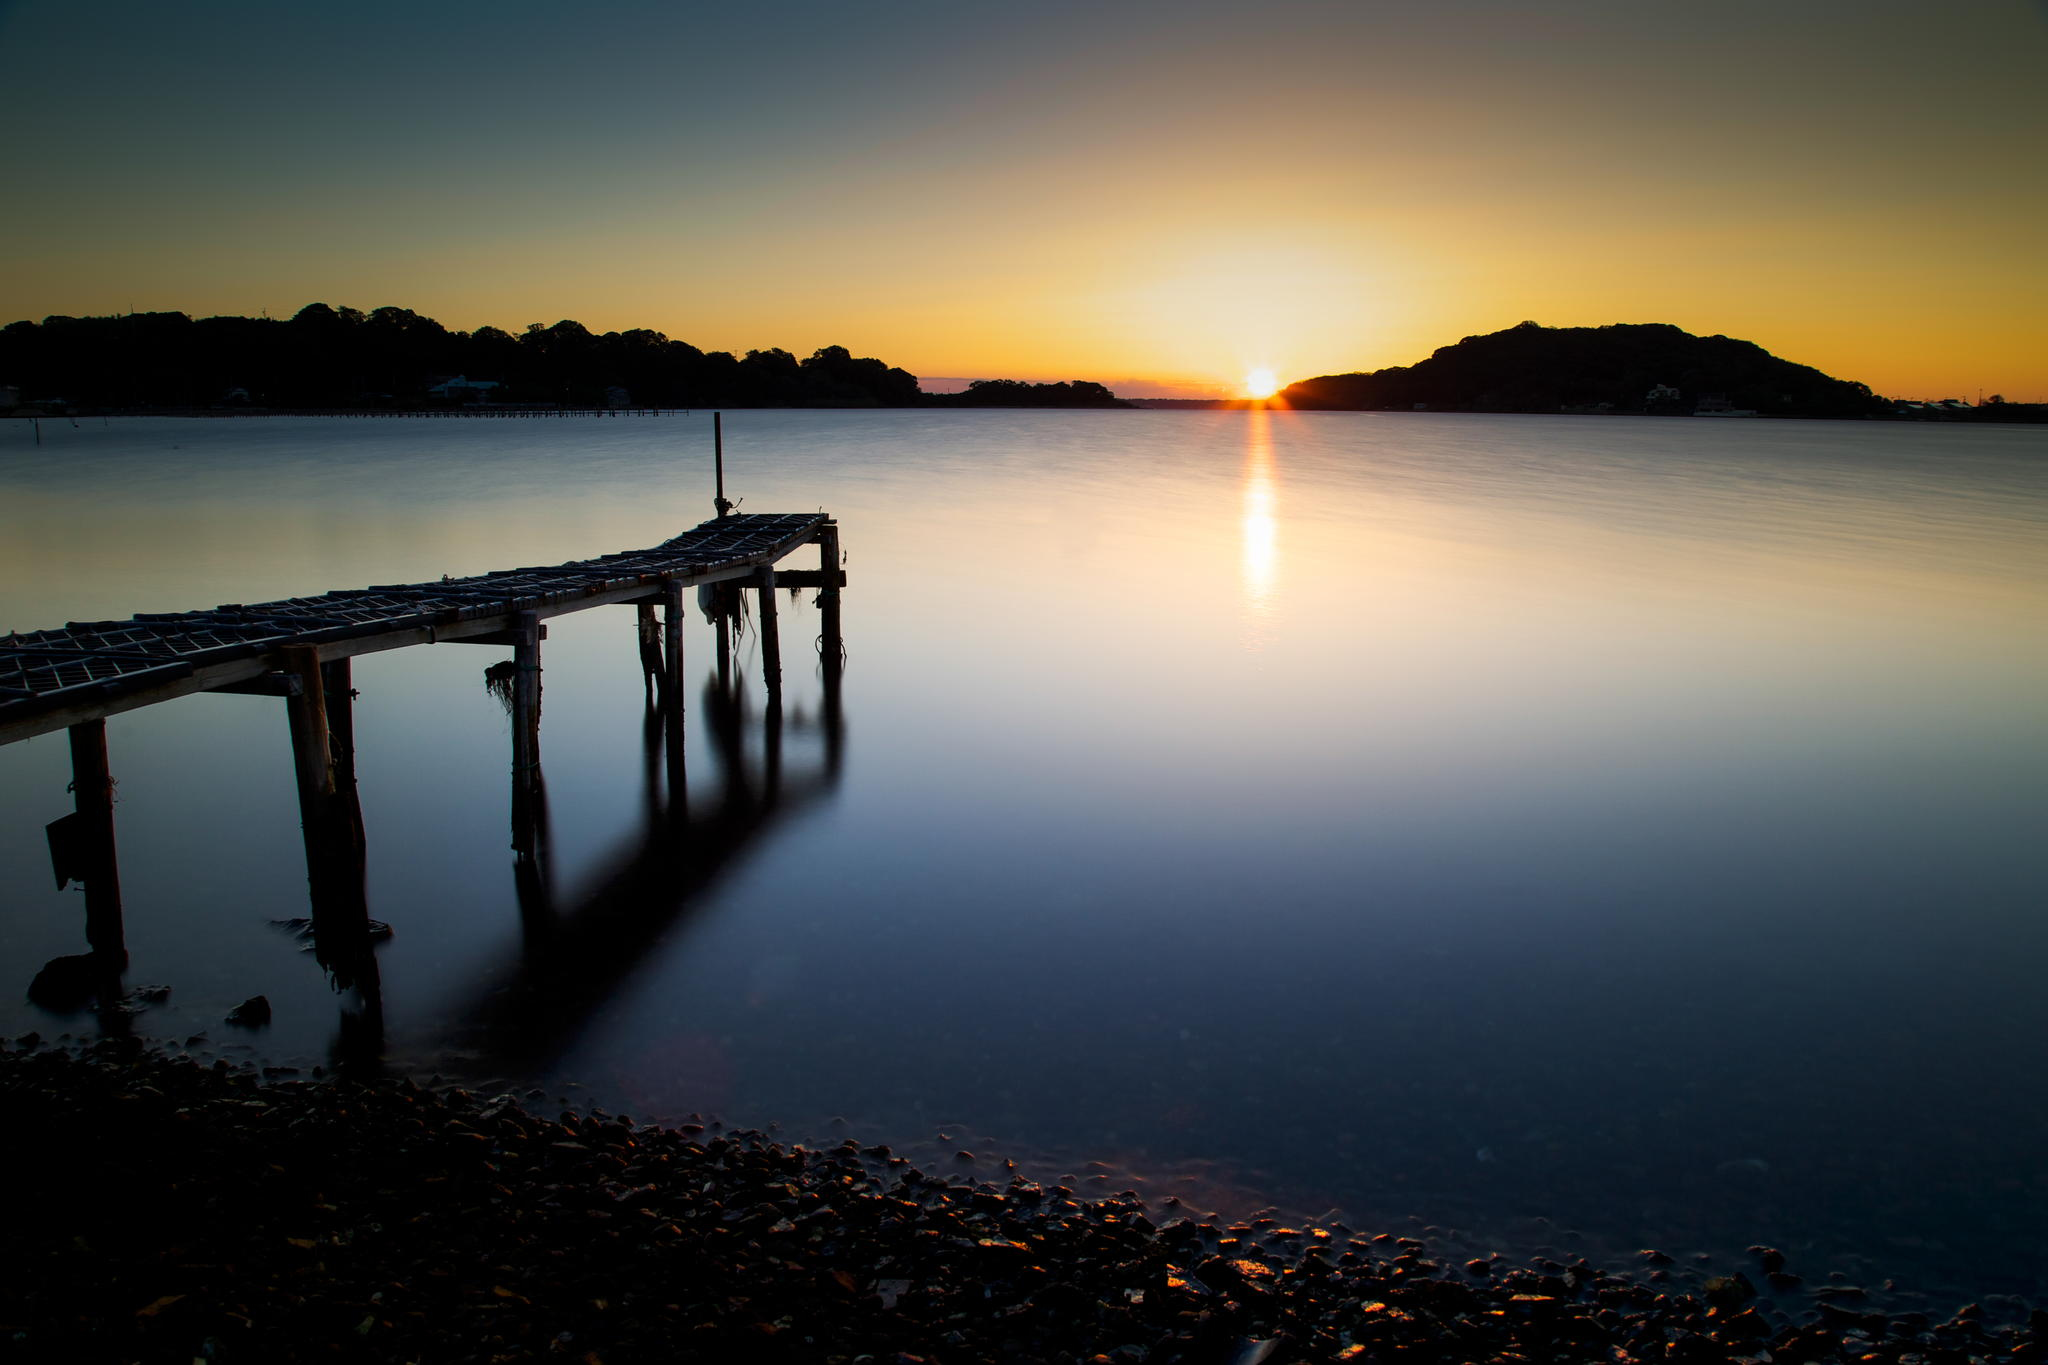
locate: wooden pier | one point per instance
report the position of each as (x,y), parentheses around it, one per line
(299,649)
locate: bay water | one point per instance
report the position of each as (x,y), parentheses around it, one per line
(1566,833)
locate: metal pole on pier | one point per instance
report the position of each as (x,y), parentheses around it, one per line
(718,460)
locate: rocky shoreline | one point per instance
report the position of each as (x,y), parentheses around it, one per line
(165,1210)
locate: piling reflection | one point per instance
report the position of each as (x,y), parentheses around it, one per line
(580,947)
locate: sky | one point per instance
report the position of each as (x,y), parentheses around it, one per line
(1158,196)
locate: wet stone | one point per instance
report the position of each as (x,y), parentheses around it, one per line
(320,1220)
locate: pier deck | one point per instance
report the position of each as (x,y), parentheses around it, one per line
(86,671)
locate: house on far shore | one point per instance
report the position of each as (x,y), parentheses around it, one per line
(463,389)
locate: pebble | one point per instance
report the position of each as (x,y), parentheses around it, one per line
(346,1219)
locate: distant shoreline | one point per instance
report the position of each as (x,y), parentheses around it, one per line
(2013,414)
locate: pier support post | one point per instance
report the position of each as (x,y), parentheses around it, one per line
(830,644)
(92,801)
(531,871)
(312,757)
(672,645)
(322,717)
(526,695)
(724,634)
(650,649)
(672,691)
(338,691)
(532,867)
(771,644)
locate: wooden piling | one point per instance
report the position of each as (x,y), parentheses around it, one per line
(532,868)
(526,694)
(830,644)
(312,758)
(322,716)
(650,649)
(771,646)
(672,644)
(92,797)
(338,693)
(724,635)
(672,692)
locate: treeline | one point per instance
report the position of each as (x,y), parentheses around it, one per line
(1015,393)
(1628,367)
(342,358)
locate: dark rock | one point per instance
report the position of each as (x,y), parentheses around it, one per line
(66,985)
(344,1220)
(1744,1325)
(251,1013)
(1729,1291)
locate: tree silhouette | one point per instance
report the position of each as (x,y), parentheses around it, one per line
(326,356)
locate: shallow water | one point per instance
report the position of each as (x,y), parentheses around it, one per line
(1628,823)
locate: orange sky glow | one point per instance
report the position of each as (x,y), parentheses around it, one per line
(1163,205)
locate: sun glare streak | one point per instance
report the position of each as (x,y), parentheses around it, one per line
(1261,384)
(1259,528)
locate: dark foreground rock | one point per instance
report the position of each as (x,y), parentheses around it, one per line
(160,1210)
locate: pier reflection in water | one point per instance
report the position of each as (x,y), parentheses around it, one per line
(580,944)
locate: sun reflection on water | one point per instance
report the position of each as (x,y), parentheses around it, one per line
(1260,528)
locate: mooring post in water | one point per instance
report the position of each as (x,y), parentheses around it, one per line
(771,646)
(92,798)
(830,645)
(526,695)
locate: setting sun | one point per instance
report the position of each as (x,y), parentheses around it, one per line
(1261,384)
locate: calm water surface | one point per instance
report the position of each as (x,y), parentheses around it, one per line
(1632,824)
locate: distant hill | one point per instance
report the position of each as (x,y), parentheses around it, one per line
(1627,367)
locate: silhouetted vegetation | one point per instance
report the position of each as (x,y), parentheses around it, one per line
(1015,393)
(1992,409)
(1630,367)
(341,358)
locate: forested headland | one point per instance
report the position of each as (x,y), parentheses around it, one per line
(1627,367)
(325,358)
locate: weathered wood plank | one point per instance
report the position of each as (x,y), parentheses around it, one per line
(162,657)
